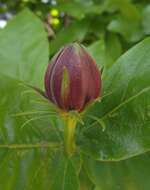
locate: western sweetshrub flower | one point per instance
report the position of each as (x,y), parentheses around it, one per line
(72,79)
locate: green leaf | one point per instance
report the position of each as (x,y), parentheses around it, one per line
(106,50)
(79,10)
(126,175)
(37,169)
(130,30)
(146,19)
(76,31)
(113,49)
(127,22)
(126,8)
(32,155)
(124,109)
(24,49)
(25,116)
(97,51)
(85,182)
(23,151)
(65,175)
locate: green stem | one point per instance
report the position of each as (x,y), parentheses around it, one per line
(69,134)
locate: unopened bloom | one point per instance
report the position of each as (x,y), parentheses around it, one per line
(72,79)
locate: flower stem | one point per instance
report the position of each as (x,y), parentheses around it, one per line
(69,134)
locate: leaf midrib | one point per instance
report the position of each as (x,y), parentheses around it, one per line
(30,146)
(124,102)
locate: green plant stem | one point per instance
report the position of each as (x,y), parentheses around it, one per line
(69,134)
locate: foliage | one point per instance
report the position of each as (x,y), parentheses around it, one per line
(119,22)
(117,128)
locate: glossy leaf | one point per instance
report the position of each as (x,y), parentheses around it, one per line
(124,175)
(65,175)
(32,155)
(24,49)
(124,109)
(25,116)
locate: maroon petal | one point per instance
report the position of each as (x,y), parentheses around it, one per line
(84,81)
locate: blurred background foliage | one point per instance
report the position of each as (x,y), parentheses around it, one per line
(106,27)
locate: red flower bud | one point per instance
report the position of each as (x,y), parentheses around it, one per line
(72,79)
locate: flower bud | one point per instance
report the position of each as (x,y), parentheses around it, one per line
(72,79)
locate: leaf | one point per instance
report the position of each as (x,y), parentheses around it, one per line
(125,111)
(18,107)
(22,150)
(113,49)
(126,175)
(79,10)
(65,175)
(97,51)
(37,169)
(146,19)
(130,30)
(106,50)
(85,182)
(32,157)
(24,49)
(127,22)
(76,31)
(126,8)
